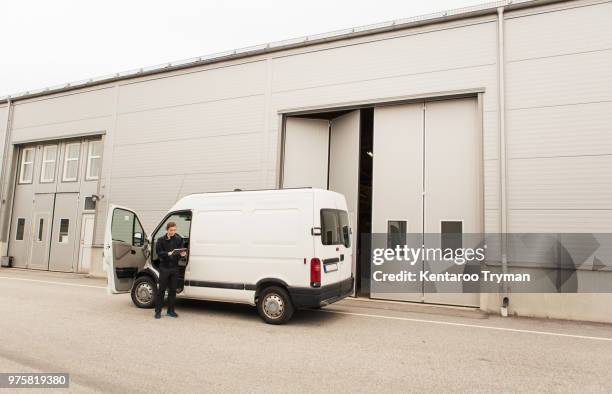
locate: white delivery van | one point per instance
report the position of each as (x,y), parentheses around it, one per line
(275,249)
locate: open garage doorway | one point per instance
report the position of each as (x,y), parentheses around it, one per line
(411,167)
(333,150)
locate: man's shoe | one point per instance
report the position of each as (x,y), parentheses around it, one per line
(172,314)
(157,315)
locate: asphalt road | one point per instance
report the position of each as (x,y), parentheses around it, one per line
(68,323)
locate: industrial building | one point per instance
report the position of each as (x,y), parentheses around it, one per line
(494,118)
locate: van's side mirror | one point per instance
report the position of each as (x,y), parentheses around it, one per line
(138,239)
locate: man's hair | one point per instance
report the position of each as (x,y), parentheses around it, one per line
(170,224)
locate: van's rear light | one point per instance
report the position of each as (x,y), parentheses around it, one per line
(315,272)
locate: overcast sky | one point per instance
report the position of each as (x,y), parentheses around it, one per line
(47,43)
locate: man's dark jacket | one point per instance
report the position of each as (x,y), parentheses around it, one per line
(163,245)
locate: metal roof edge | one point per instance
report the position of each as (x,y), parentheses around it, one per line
(337,35)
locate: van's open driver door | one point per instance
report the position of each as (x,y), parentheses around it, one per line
(125,248)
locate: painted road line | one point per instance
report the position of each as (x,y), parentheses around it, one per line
(519,330)
(53,282)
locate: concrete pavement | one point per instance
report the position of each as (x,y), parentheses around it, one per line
(68,323)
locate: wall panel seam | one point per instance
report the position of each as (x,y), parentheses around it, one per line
(385,77)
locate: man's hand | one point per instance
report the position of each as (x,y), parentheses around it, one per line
(183,254)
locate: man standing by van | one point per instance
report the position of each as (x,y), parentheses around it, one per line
(168,268)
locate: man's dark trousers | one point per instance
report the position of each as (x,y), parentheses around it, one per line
(168,278)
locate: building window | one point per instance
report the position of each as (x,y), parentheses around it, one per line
(451,234)
(47,172)
(90,204)
(396,233)
(20,229)
(71,162)
(27,165)
(41,225)
(94,157)
(63,232)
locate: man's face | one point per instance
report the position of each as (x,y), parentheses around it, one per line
(171,231)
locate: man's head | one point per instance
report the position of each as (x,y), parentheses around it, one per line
(171,229)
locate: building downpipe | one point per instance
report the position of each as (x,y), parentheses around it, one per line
(502,158)
(3,172)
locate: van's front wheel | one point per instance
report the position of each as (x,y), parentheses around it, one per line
(143,292)
(274,305)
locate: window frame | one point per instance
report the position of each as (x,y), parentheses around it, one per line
(85,209)
(67,232)
(164,220)
(17,229)
(348,222)
(45,161)
(90,157)
(136,219)
(405,234)
(23,163)
(69,159)
(39,236)
(443,241)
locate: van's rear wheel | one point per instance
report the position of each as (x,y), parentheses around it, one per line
(144,291)
(274,305)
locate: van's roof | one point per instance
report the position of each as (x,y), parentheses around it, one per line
(253,190)
(187,201)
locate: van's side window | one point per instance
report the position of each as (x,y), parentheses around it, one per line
(125,227)
(335,227)
(183,227)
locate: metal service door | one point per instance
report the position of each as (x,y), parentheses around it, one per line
(21,233)
(86,242)
(344,167)
(305,153)
(41,234)
(64,233)
(397,189)
(453,192)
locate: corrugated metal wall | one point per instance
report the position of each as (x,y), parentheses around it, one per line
(559,119)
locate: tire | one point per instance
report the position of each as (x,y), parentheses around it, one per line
(144,292)
(274,305)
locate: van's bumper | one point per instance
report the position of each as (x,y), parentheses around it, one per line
(310,297)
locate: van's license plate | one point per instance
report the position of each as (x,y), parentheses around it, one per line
(330,267)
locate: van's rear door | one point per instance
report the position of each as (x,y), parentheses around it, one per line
(125,248)
(334,246)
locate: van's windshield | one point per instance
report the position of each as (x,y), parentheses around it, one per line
(335,227)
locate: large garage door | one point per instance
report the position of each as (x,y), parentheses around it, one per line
(397,182)
(427,181)
(305,155)
(453,191)
(344,167)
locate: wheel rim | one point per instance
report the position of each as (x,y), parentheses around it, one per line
(144,293)
(273,306)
